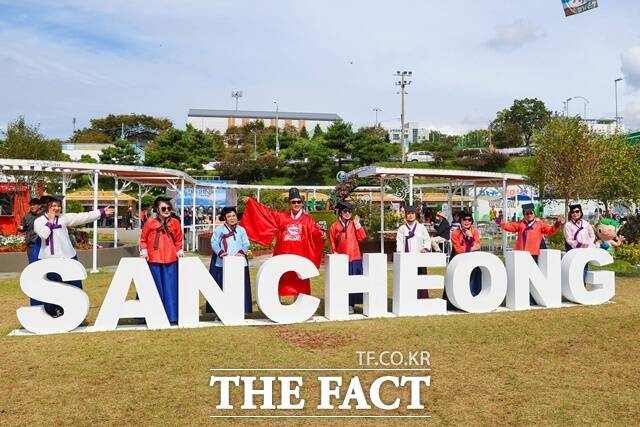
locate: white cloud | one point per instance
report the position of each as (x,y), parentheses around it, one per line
(514,35)
(631,66)
(631,115)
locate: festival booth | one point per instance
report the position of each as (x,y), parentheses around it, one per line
(462,188)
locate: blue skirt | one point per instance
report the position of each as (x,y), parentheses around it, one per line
(166,278)
(355,269)
(216,273)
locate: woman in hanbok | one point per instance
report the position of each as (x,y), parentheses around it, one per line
(230,239)
(161,244)
(344,236)
(52,229)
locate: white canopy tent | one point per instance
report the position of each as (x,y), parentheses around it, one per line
(450,180)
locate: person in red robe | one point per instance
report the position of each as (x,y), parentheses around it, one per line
(296,233)
(344,236)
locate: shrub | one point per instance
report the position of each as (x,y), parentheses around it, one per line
(629,253)
(631,229)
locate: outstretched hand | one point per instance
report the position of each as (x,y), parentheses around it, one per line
(109,211)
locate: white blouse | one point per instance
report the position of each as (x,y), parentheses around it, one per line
(56,243)
(419,241)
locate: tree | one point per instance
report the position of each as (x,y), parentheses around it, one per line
(184,150)
(312,161)
(619,170)
(86,158)
(372,145)
(317,132)
(246,170)
(24,141)
(303,133)
(505,134)
(338,138)
(90,136)
(131,126)
(530,114)
(122,152)
(476,138)
(566,161)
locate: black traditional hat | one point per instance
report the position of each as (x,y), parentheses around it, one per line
(411,208)
(342,205)
(528,207)
(575,206)
(294,194)
(48,198)
(35,201)
(225,211)
(466,214)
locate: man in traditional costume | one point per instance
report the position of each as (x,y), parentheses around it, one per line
(531,231)
(344,236)
(230,239)
(414,237)
(52,229)
(161,245)
(30,237)
(296,233)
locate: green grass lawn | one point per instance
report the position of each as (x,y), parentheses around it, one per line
(571,366)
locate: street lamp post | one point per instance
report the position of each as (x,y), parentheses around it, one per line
(615,83)
(585,101)
(376,110)
(277,126)
(236,94)
(255,145)
(567,104)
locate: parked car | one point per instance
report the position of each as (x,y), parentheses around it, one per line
(420,156)
(514,151)
(473,153)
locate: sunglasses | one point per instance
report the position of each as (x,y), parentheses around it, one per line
(467,219)
(347,211)
(165,209)
(528,213)
(576,211)
(295,202)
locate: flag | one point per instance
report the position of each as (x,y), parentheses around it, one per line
(573,7)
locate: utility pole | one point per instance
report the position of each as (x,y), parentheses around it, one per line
(402,83)
(277,126)
(615,82)
(236,94)
(74,125)
(377,124)
(255,145)
(122,131)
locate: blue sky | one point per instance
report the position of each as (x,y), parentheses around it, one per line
(85,59)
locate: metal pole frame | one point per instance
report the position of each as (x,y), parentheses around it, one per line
(193,220)
(115,215)
(504,215)
(382,214)
(94,265)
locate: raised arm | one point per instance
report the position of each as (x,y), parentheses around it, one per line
(40,227)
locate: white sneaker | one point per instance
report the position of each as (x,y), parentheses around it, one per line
(351,309)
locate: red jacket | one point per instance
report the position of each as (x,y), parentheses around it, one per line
(345,240)
(164,251)
(530,235)
(461,244)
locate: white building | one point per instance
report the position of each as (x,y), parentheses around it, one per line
(221,120)
(604,126)
(413,133)
(75,151)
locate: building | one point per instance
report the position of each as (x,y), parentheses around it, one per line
(412,133)
(75,151)
(221,120)
(604,126)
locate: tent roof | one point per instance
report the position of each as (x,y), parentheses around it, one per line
(109,196)
(444,174)
(138,174)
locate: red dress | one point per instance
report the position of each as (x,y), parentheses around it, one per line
(299,235)
(344,240)
(530,235)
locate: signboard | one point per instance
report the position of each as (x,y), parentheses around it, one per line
(573,7)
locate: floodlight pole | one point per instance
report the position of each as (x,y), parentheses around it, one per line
(277,126)
(615,83)
(403,83)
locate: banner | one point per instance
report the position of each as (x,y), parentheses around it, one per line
(573,7)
